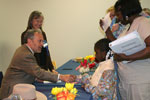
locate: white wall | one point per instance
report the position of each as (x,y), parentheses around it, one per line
(71,26)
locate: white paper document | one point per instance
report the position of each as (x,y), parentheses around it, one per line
(106,22)
(59,81)
(128,44)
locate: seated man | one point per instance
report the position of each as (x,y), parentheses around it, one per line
(24,68)
(102,84)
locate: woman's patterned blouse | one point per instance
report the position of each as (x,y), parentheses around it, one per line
(106,88)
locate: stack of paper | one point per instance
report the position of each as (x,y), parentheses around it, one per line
(129,44)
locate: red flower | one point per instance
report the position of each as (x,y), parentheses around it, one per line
(62,98)
(85,61)
(82,64)
(92,65)
(65,95)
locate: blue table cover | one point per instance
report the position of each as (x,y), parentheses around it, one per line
(68,68)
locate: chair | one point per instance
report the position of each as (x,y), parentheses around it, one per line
(1,77)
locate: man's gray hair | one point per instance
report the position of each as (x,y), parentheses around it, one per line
(30,34)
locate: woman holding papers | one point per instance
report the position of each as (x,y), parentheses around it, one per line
(135,75)
(112,26)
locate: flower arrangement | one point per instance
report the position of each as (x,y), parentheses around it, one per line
(65,93)
(87,64)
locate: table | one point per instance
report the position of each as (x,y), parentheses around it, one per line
(67,68)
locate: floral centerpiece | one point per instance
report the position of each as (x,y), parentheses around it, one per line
(87,64)
(64,93)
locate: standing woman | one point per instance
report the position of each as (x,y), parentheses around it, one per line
(43,59)
(135,75)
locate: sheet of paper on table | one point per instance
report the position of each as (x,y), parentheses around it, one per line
(128,44)
(106,22)
(51,82)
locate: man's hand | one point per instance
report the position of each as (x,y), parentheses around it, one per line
(67,78)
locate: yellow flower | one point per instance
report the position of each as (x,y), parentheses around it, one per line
(55,91)
(69,86)
(59,90)
(65,93)
(64,89)
(88,57)
(74,91)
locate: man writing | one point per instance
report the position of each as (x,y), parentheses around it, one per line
(24,68)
